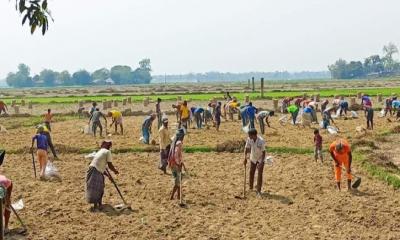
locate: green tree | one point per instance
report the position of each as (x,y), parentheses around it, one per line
(48,77)
(82,77)
(390,64)
(145,64)
(121,74)
(65,79)
(21,78)
(101,74)
(373,64)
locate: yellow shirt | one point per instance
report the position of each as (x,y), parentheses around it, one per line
(116,114)
(185,112)
(165,140)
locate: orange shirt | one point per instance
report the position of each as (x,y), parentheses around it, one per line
(343,155)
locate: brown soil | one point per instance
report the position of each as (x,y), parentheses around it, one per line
(300,203)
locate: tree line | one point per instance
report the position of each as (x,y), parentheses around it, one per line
(119,74)
(372,66)
(228,77)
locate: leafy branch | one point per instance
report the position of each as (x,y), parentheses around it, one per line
(36,12)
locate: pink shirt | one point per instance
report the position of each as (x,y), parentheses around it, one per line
(5,181)
(178,153)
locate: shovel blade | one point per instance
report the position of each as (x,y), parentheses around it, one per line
(357,183)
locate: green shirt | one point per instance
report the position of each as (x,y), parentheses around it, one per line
(292,109)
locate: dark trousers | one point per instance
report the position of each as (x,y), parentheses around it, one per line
(260,170)
(262,125)
(50,143)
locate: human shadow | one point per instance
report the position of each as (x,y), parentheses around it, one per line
(16,234)
(358,193)
(111,211)
(277,197)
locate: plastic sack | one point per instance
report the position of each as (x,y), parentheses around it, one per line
(354,114)
(382,113)
(283,119)
(18,205)
(321,124)
(246,128)
(337,113)
(269,160)
(88,129)
(332,130)
(91,155)
(51,170)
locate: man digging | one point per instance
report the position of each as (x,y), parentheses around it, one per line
(341,154)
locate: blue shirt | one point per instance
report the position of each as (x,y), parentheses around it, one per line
(307,110)
(41,141)
(251,111)
(396,104)
(199,110)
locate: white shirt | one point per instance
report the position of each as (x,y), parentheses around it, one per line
(100,160)
(256,149)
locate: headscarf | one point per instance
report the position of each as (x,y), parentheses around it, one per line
(107,144)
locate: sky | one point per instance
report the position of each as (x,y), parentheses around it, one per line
(182,36)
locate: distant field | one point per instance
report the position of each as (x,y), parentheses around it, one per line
(207,96)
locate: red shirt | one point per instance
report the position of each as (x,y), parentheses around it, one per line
(318,140)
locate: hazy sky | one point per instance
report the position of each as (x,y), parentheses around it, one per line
(181,36)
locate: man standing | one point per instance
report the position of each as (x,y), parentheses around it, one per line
(47,119)
(158,112)
(255,146)
(95,120)
(146,128)
(341,154)
(116,118)
(184,115)
(165,144)
(264,115)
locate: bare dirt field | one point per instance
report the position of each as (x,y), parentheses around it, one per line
(300,202)
(69,134)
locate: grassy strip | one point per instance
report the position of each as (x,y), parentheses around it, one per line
(196,96)
(32,121)
(281,150)
(377,171)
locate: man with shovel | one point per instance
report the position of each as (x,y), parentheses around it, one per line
(95,175)
(341,154)
(255,146)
